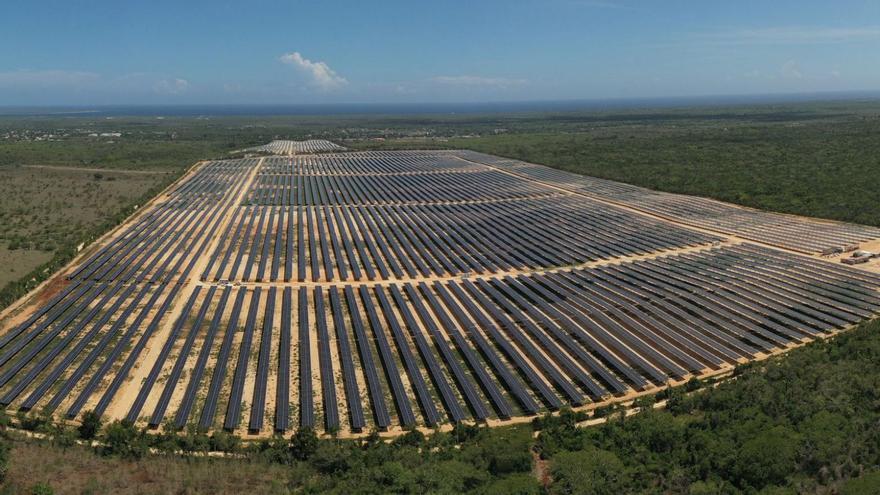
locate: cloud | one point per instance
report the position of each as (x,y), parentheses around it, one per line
(792,35)
(792,70)
(171,86)
(478,81)
(319,73)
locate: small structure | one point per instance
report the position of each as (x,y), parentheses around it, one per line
(859,257)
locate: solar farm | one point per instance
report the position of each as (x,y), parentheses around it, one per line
(359,291)
(288,147)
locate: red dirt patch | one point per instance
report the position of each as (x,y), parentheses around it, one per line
(53,287)
(541,470)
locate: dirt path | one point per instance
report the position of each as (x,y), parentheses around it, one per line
(28,302)
(874,245)
(541,470)
(229,204)
(128,392)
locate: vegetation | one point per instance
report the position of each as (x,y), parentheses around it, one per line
(804,423)
(45,215)
(817,159)
(807,422)
(809,159)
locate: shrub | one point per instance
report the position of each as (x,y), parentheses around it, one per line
(4,459)
(510,461)
(90,426)
(42,489)
(62,436)
(223,441)
(333,458)
(868,484)
(592,471)
(767,458)
(517,484)
(122,439)
(303,444)
(413,438)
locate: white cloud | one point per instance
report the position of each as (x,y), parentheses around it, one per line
(319,73)
(792,70)
(171,86)
(478,81)
(792,35)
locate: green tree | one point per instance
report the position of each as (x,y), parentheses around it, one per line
(62,436)
(122,439)
(303,444)
(223,441)
(90,426)
(588,472)
(767,458)
(516,484)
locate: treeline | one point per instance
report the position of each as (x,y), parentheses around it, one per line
(468,459)
(66,251)
(818,168)
(806,422)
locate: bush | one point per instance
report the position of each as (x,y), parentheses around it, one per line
(42,489)
(868,484)
(332,458)
(768,458)
(90,426)
(34,422)
(122,439)
(62,436)
(275,450)
(222,441)
(193,441)
(303,444)
(592,471)
(4,459)
(510,461)
(517,484)
(413,438)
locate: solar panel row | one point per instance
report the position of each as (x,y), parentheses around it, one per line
(476,307)
(786,231)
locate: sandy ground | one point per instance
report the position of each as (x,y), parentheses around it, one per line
(871,266)
(30,302)
(129,391)
(126,395)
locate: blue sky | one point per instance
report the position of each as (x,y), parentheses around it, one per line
(82,52)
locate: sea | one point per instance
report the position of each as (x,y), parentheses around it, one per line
(427,108)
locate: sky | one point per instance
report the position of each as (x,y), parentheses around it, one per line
(80,52)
